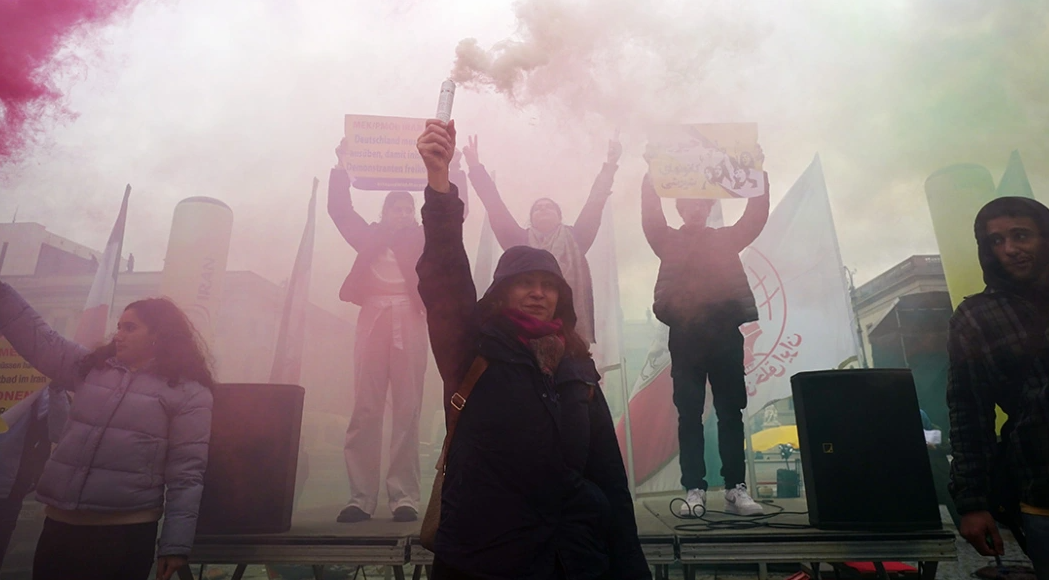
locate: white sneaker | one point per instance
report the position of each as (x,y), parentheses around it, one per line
(739,502)
(695,504)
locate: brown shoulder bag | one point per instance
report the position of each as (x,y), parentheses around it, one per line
(432,519)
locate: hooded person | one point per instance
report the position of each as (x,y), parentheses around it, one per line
(547,230)
(703,295)
(999,355)
(534,485)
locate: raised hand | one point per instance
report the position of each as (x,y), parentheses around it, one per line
(615,150)
(436,145)
(470,152)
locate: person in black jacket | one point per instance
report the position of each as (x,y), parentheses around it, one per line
(703,295)
(534,483)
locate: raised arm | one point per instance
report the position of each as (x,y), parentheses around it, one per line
(746,230)
(589,220)
(45,349)
(445,283)
(653,221)
(458,177)
(352,226)
(506,229)
(605,468)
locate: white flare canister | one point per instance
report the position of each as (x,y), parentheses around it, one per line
(444,103)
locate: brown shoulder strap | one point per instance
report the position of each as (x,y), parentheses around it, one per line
(477,369)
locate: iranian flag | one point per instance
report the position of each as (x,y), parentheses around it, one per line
(91,329)
(806,323)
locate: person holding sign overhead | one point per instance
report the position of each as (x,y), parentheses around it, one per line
(569,244)
(389,349)
(703,295)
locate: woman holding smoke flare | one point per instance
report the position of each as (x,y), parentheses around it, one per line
(135,446)
(534,485)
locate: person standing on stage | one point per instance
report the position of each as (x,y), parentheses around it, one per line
(569,244)
(534,483)
(135,446)
(703,295)
(390,348)
(999,355)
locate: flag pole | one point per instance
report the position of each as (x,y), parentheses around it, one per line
(629,434)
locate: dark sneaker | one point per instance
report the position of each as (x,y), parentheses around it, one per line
(351,515)
(405,513)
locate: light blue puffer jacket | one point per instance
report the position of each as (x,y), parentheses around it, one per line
(132,442)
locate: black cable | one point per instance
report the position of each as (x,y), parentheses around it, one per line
(743,523)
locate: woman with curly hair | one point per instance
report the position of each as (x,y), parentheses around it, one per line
(135,446)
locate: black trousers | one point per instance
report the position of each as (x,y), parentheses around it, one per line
(10,508)
(694,358)
(95,552)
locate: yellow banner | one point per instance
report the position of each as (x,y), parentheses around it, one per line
(18,379)
(380,152)
(706,161)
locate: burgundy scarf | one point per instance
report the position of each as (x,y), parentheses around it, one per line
(543,338)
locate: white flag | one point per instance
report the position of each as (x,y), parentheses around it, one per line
(796,273)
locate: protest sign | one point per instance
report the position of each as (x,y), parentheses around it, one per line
(18,378)
(706,161)
(380,153)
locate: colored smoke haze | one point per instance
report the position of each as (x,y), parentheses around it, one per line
(32,36)
(616,58)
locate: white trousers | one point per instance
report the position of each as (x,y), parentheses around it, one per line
(389,355)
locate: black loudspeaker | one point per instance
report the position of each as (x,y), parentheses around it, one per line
(249,486)
(863,451)
(787,483)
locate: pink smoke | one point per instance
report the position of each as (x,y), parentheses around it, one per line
(32,32)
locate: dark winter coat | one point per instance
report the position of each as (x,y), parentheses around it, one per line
(533,476)
(701,281)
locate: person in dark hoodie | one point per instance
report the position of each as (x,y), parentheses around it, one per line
(547,230)
(999,355)
(534,483)
(703,295)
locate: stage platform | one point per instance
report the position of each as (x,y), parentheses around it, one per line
(316,539)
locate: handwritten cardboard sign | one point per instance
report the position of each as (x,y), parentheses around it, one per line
(706,161)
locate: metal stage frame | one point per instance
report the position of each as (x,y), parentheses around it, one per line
(315,539)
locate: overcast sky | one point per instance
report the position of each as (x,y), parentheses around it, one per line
(243,100)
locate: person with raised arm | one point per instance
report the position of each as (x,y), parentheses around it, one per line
(389,348)
(703,295)
(534,484)
(135,446)
(547,230)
